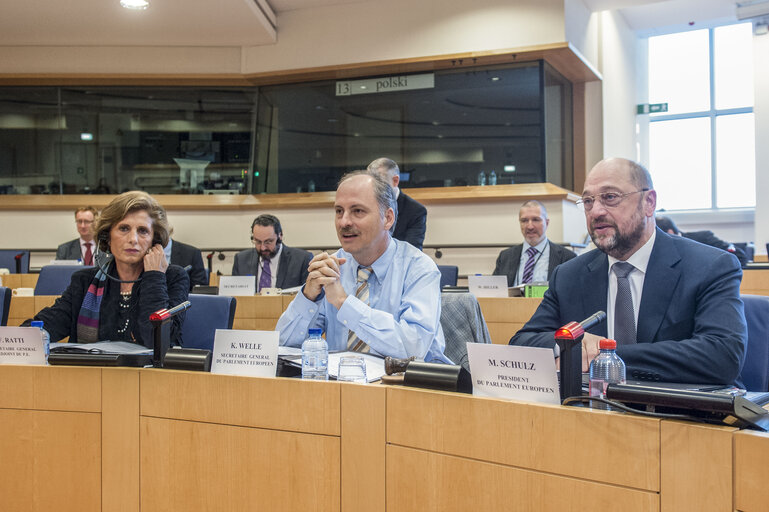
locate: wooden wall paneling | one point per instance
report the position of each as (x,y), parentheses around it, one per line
(284,404)
(419,480)
(751,453)
(363,448)
(696,471)
(553,439)
(187,465)
(120,438)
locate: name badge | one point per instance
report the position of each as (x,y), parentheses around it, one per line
(234,286)
(488,286)
(21,345)
(246,353)
(512,372)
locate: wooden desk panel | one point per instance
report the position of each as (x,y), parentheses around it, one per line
(751,453)
(199,466)
(755,282)
(50,388)
(283,404)
(553,439)
(418,481)
(120,440)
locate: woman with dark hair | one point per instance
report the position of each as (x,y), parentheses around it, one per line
(113,302)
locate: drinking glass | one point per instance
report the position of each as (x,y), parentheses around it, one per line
(352,369)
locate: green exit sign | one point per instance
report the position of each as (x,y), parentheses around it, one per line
(651,108)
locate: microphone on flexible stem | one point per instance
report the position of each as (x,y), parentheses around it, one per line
(18,259)
(569,340)
(161,330)
(210,258)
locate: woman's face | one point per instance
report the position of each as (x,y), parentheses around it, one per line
(131,237)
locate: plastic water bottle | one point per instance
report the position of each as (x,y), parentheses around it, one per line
(315,356)
(607,368)
(46,338)
(481,178)
(493,178)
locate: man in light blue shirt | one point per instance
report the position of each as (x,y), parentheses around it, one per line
(376,294)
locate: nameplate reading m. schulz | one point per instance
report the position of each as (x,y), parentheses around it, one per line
(21,345)
(519,373)
(488,286)
(246,353)
(234,286)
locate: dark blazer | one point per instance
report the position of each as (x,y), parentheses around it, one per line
(156,290)
(71,250)
(411,224)
(292,268)
(691,323)
(183,255)
(509,260)
(710,238)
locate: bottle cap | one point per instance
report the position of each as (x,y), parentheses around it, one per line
(315,332)
(37,323)
(607,344)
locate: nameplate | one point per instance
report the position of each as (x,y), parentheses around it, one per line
(512,372)
(247,353)
(488,286)
(21,345)
(234,286)
(65,262)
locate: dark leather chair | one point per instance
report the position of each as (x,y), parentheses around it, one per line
(8,259)
(207,314)
(5,305)
(54,279)
(449,274)
(755,371)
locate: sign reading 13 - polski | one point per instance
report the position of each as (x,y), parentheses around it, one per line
(385,84)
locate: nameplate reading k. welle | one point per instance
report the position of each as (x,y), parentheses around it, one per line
(21,345)
(234,286)
(247,353)
(520,373)
(488,286)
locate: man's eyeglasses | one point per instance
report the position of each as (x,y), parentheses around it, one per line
(269,242)
(608,199)
(84,222)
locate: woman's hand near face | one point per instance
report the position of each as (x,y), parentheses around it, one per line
(155,259)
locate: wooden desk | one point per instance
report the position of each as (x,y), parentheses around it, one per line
(86,439)
(755,281)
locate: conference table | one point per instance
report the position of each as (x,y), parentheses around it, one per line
(128,439)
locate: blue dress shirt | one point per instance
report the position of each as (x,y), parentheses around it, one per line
(402,320)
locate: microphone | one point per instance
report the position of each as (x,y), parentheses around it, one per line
(574,330)
(568,339)
(161,328)
(18,258)
(164,314)
(210,258)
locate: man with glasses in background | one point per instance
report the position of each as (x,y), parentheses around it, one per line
(672,305)
(273,263)
(84,247)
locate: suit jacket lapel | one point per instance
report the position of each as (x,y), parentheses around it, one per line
(283,263)
(659,286)
(515,262)
(595,289)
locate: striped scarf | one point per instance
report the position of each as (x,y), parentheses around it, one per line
(88,318)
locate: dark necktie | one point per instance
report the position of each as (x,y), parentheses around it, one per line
(528,268)
(88,258)
(265,281)
(624,316)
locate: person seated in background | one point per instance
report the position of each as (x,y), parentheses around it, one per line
(113,302)
(184,255)
(541,256)
(84,247)
(274,264)
(706,237)
(412,216)
(673,306)
(376,294)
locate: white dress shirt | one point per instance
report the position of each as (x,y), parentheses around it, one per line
(542,262)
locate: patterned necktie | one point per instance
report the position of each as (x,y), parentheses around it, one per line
(528,269)
(624,316)
(265,281)
(354,343)
(88,258)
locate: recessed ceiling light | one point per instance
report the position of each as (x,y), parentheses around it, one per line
(495,79)
(137,5)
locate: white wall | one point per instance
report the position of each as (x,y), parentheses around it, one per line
(761,111)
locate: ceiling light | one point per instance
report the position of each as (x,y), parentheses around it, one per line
(495,79)
(137,5)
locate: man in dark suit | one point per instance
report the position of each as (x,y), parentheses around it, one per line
(84,247)
(541,255)
(684,297)
(411,223)
(706,237)
(270,252)
(186,255)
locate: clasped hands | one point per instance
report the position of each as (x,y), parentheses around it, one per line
(325,275)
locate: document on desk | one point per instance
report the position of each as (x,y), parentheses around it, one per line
(374,364)
(100,347)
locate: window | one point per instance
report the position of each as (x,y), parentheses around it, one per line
(702,150)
